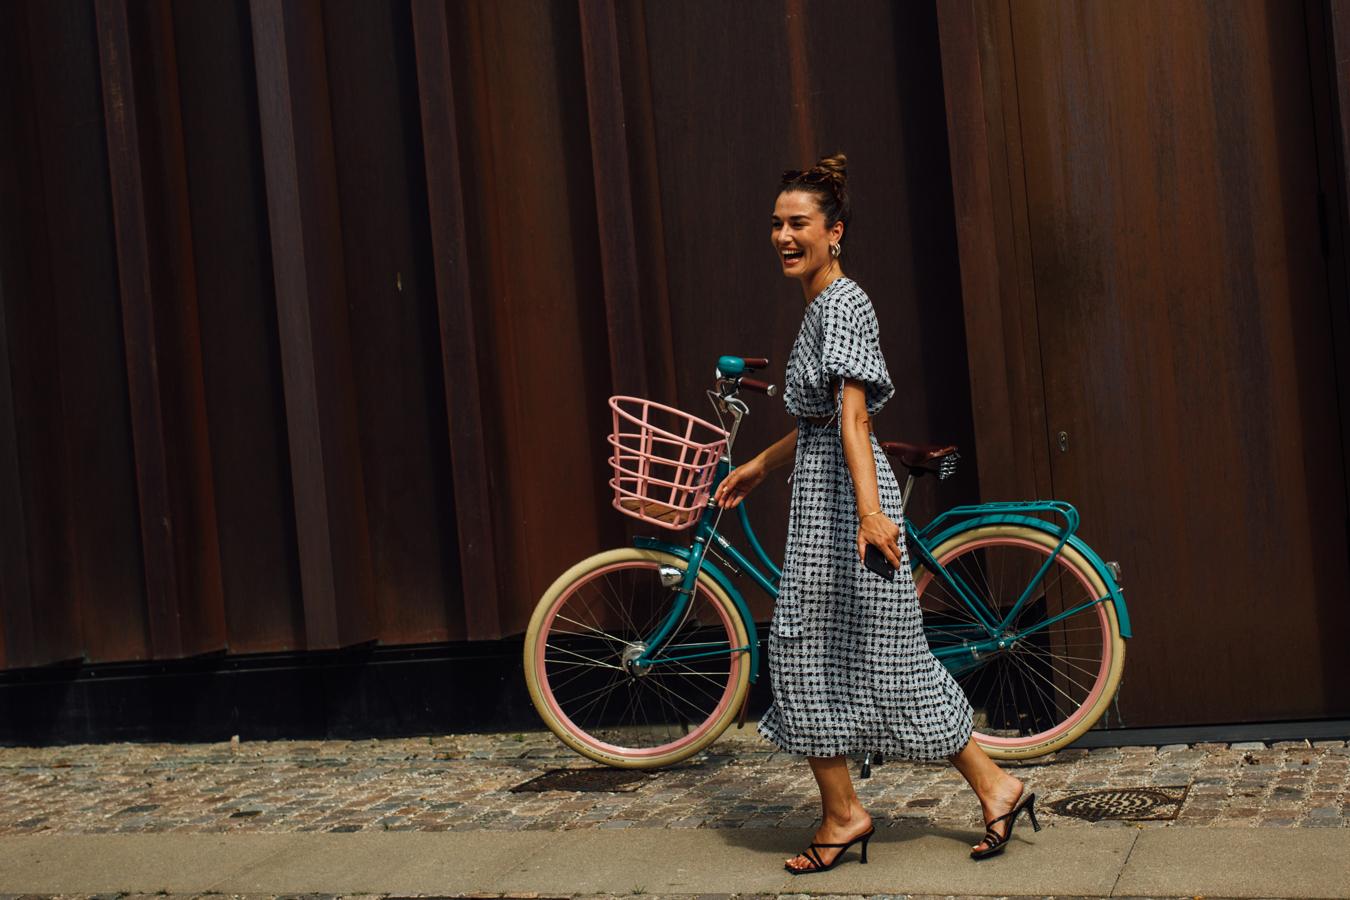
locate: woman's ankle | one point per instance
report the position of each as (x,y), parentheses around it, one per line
(855,813)
(1000,788)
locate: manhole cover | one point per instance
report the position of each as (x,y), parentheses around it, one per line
(1124,803)
(591,780)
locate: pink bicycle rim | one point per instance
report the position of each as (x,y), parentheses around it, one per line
(1098,683)
(632,752)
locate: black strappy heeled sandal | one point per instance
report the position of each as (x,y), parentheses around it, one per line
(994,841)
(818,864)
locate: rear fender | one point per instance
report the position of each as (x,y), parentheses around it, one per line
(1117,597)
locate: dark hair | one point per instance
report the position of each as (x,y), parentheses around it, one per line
(828,180)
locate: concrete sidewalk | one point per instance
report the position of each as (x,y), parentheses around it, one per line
(1057,862)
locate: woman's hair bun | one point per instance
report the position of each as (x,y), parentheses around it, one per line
(836,165)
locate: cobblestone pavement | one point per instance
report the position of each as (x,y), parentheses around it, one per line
(463,782)
(536,896)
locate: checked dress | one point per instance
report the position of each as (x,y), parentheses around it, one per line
(850,668)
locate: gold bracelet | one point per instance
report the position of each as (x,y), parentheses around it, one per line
(876,513)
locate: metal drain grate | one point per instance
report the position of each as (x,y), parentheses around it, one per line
(586,780)
(1136,804)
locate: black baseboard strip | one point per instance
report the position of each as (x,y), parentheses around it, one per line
(372,692)
(351,694)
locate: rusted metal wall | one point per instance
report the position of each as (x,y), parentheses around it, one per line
(308,311)
(1157,324)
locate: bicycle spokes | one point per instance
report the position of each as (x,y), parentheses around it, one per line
(1029,670)
(592,660)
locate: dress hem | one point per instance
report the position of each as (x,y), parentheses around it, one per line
(888,750)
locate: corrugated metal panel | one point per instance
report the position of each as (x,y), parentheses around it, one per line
(1154,200)
(381,265)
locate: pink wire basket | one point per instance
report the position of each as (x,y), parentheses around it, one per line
(664,461)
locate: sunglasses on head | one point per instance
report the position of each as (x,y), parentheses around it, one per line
(806,176)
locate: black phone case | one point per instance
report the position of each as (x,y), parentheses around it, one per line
(876,561)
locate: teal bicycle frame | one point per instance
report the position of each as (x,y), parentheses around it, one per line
(964,649)
(961,649)
(695,556)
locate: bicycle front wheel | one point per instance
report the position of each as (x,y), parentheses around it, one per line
(579,649)
(1055,677)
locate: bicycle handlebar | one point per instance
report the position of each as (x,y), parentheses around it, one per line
(755,362)
(755,384)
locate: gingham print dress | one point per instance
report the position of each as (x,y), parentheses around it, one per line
(848,661)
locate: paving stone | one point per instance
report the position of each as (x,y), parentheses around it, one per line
(1249,745)
(1210,746)
(1072,755)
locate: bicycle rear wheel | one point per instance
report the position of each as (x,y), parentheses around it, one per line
(585,632)
(1052,682)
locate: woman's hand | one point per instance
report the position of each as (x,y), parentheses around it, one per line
(880,531)
(742,480)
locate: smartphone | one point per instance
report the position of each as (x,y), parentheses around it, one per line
(877,562)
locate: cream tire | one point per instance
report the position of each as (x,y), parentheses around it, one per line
(1114,644)
(572,735)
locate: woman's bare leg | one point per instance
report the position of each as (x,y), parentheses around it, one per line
(998,791)
(842,815)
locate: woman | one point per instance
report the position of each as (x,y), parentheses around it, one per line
(850,668)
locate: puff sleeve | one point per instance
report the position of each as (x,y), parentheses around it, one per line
(851,346)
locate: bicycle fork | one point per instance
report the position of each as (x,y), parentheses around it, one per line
(681,583)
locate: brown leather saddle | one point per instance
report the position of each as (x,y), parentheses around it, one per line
(924,459)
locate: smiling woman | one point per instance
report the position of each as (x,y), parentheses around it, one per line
(809,221)
(850,668)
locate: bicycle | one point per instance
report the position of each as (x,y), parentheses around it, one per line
(642,656)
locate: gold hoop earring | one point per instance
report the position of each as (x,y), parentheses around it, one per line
(835,250)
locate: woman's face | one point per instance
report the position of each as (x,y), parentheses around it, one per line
(799,235)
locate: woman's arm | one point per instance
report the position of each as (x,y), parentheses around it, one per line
(745,477)
(874,526)
(780,452)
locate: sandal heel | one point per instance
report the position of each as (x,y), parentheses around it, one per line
(995,842)
(864,850)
